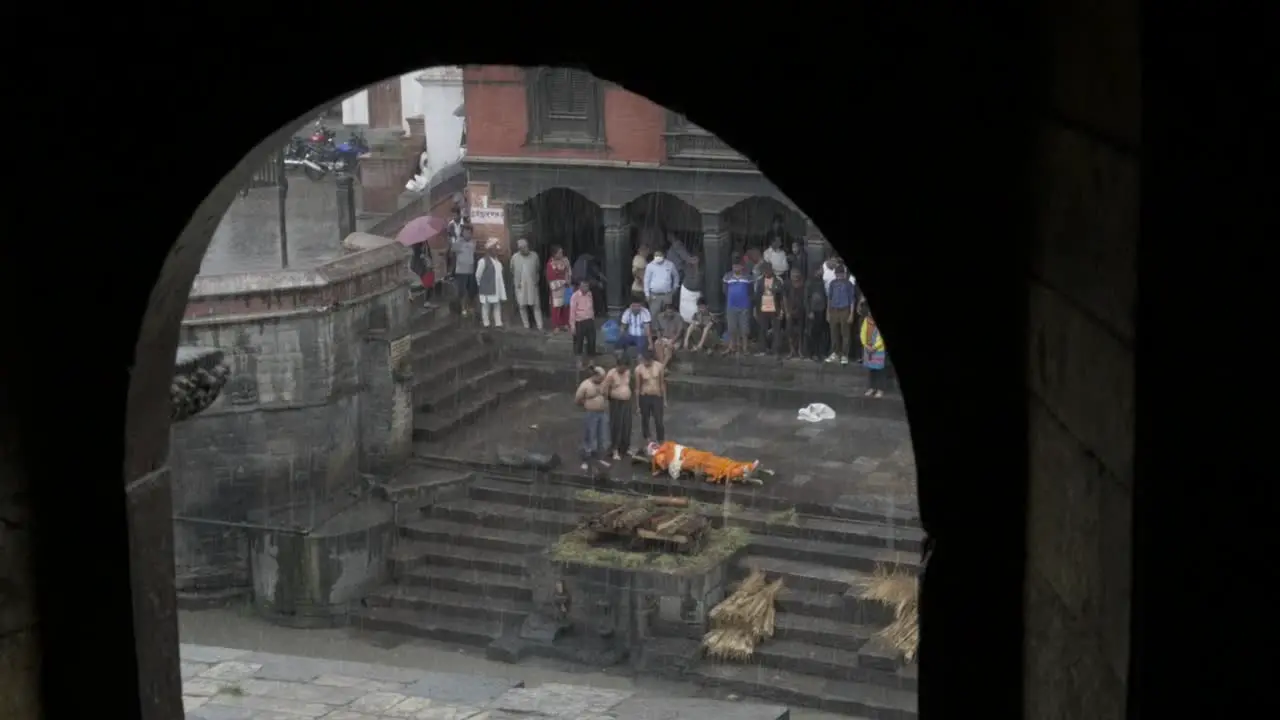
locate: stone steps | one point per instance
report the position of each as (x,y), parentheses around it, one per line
(428,426)
(449,360)
(744,497)
(840,555)
(819,591)
(450,395)
(469,581)
(546,502)
(559,375)
(432,626)
(435,530)
(427,321)
(420,485)
(477,514)
(451,604)
(410,555)
(762,678)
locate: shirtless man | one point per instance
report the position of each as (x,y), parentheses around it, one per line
(651,396)
(618,382)
(593,396)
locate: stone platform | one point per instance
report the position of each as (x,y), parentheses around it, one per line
(227,684)
(863,464)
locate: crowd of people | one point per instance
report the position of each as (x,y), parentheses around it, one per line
(774,303)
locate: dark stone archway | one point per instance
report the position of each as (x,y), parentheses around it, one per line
(968,97)
(656,221)
(568,219)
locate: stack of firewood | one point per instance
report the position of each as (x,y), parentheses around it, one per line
(744,619)
(663,519)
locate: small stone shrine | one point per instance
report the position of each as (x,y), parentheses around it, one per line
(652,567)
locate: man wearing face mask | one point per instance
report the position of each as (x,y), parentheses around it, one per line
(660,280)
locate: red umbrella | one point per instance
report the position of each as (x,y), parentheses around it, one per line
(420,230)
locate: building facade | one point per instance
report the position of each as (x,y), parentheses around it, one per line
(560,157)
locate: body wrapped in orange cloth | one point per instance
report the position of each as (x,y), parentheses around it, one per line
(675,459)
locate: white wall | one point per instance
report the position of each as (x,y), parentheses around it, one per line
(441,91)
(434,93)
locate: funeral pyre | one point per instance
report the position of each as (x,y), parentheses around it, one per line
(669,522)
(743,619)
(676,460)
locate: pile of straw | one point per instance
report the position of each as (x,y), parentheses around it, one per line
(744,619)
(901,592)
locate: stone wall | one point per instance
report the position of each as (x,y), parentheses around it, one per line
(1081,372)
(318,395)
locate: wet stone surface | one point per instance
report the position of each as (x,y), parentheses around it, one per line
(226,684)
(849,459)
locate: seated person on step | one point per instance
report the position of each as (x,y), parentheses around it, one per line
(703,327)
(670,330)
(636,330)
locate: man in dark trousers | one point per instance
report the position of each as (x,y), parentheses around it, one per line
(816,316)
(768,301)
(795,315)
(651,396)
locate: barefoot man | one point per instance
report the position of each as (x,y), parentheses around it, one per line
(618,381)
(593,396)
(701,325)
(651,396)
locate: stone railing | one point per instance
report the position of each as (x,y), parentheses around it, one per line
(691,146)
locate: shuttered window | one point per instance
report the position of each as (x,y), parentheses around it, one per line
(567,105)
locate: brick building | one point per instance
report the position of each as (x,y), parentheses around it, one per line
(559,156)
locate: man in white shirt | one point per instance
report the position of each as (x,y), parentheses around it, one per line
(777,257)
(660,279)
(636,331)
(829,270)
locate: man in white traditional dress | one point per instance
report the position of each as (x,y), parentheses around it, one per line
(490,285)
(524,275)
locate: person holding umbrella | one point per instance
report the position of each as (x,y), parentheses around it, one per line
(416,235)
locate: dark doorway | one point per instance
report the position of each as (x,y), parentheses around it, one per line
(656,221)
(560,216)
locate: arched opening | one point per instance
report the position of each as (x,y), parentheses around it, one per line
(421,434)
(141,386)
(564,218)
(755,221)
(659,221)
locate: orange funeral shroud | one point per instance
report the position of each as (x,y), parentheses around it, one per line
(713,468)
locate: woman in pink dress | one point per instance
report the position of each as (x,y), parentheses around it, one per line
(557,281)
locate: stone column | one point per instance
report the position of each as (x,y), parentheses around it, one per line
(346,206)
(715,255)
(520,225)
(815,245)
(617,256)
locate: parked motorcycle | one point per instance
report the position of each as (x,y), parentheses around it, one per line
(318,160)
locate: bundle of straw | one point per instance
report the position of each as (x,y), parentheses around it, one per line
(744,618)
(901,592)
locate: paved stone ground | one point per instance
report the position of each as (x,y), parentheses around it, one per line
(229,684)
(847,460)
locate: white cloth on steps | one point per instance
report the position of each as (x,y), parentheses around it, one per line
(817,412)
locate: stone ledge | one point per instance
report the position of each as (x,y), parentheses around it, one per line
(347,278)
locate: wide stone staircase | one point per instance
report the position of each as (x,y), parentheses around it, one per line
(459,572)
(459,374)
